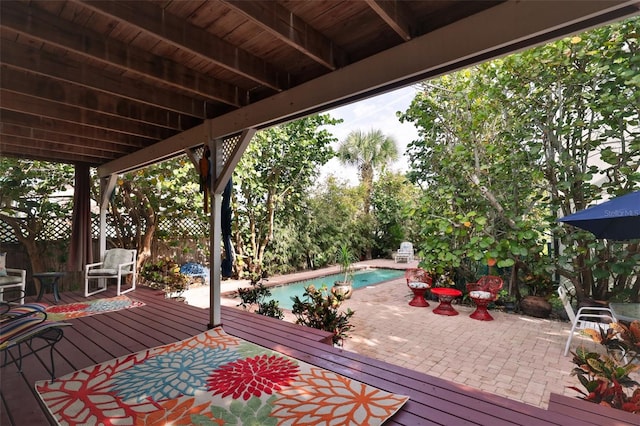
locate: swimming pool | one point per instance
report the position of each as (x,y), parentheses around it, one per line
(362,278)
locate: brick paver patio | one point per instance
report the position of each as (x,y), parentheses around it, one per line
(515,356)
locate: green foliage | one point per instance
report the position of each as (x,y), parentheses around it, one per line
(319,309)
(507,145)
(393,202)
(258,295)
(272,179)
(369,152)
(578,113)
(164,274)
(605,377)
(30,196)
(345,259)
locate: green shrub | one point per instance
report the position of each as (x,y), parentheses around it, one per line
(164,274)
(319,309)
(257,294)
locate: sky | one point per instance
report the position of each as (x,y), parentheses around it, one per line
(377,113)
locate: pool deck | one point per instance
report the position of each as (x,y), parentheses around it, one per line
(521,356)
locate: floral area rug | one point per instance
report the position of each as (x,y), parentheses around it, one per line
(90,307)
(213,379)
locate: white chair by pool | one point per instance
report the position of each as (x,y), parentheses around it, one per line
(404,253)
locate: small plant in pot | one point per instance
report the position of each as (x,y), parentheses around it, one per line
(345,258)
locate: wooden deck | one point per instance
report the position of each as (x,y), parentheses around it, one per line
(433,401)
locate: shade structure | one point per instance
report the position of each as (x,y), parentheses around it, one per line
(617,219)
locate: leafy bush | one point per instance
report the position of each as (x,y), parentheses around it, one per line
(605,377)
(164,274)
(257,294)
(319,309)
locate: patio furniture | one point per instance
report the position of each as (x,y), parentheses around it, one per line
(12,278)
(627,312)
(419,281)
(49,279)
(404,253)
(445,296)
(117,264)
(587,317)
(26,329)
(482,293)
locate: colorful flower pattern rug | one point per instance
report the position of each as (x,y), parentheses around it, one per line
(213,379)
(90,307)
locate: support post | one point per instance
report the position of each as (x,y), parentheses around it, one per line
(215,260)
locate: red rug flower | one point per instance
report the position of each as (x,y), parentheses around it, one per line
(252,376)
(71,307)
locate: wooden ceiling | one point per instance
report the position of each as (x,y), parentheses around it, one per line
(121,83)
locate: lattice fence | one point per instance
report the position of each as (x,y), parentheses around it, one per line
(59,228)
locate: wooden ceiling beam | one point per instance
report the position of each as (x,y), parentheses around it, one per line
(64,128)
(41,87)
(291,29)
(71,142)
(23,103)
(19,56)
(395,14)
(472,40)
(157,23)
(46,151)
(44,26)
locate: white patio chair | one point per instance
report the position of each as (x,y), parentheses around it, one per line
(587,317)
(117,264)
(404,253)
(14,278)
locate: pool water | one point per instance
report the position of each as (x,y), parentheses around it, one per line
(367,277)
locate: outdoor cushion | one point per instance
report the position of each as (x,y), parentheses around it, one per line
(103,272)
(481,295)
(418,284)
(3,264)
(115,257)
(10,279)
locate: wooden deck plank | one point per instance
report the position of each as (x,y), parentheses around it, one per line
(102,337)
(584,411)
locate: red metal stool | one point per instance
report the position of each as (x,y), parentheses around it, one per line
(445,295)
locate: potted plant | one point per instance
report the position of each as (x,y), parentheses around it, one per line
(165,274)
(345,258)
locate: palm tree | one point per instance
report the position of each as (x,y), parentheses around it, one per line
(368,152)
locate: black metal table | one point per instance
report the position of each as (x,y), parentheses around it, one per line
(49,279)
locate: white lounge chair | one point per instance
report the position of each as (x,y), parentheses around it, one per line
(117,264)
(404,253)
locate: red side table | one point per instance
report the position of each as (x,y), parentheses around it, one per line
(445,295)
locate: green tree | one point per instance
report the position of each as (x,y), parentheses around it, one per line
(271,181)
(28,201)
(393,202)
(479,188)
(164,191)
(577,103)
(368,152)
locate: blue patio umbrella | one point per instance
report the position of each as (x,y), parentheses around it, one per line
(616,219)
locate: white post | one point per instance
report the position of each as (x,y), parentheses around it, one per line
(215,260)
